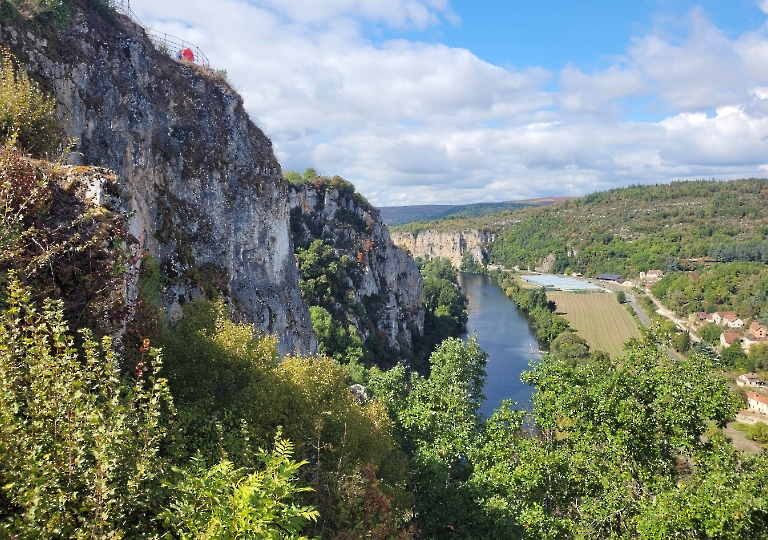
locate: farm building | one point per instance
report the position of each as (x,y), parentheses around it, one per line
(610,277)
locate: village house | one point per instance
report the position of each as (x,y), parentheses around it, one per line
(758,330)
(757,334)
(726,338)
(651,275)
(757,402)
(751,339)
(750,380)
(726,318)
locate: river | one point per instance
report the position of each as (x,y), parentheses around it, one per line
(504,333)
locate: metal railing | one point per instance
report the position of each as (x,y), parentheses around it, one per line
(171,45)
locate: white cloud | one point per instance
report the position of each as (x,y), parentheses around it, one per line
(763,5)
(411,122)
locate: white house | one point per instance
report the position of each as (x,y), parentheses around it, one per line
(727,318)
(751,339)
(757,402)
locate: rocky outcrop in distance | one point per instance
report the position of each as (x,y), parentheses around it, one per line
(452,246)
(202,186)
(386,281)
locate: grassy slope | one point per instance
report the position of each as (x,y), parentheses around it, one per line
(598,318)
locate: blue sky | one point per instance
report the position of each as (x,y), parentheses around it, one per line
(552,33)
(446,101)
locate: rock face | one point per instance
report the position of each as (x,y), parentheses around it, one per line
(203,188)
(386,280)
(449,245)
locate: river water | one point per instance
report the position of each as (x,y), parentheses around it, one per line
(504,333)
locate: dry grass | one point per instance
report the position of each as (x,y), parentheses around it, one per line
(598,318)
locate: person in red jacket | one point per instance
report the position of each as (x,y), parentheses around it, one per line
(188,55)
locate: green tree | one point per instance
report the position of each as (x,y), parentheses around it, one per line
(758,356)
(569,345)
(439,424)
(733,356)
(610,424)
(711,333)
(759,432)
(469,264)
(621,297)
(343,345)
(682,342)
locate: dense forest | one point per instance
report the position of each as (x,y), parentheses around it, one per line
(629,230)
(201,429)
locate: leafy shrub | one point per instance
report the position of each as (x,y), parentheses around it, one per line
(24,111)
(23,193)
(758,432)
(682,342)
(227,503)
(79,446)
(711,333)
(366,511)
(56,242)
(232,393)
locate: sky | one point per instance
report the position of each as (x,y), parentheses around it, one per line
(459,101)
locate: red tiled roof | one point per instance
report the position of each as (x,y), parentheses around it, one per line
(757,397)
(730,337)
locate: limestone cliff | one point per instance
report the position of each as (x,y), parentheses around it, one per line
(203,188)
(382,278)
(449,245)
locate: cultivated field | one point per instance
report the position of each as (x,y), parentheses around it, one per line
(598,318)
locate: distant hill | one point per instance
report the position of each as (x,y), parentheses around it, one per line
(401,215)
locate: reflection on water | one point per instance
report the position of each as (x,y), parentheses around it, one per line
(503,333)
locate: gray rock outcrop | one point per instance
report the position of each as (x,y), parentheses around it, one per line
(386,281)
(451,245)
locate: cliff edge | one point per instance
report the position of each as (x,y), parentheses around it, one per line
(204,191)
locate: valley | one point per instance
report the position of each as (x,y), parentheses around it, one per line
(198,342)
